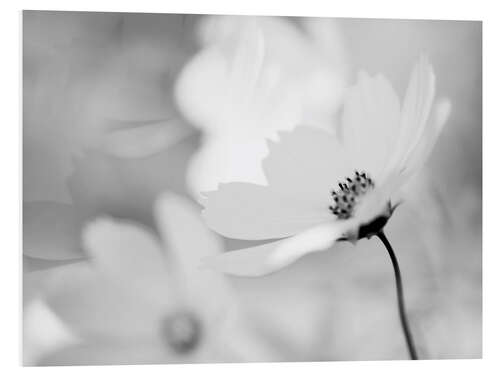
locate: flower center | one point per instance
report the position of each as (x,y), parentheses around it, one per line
(349,193)
(182,332)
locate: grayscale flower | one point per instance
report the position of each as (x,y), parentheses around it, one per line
(145,300)
(323,188)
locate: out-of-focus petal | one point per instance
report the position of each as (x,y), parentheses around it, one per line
(306,164)
(137,139)
(236,340)
(93,307)
(396,179)
(318,81)
(250,81)
(188,240)
(128,255)
(51,231)
(265,259)
(232,91)
(326,33)
(246,65)
(215,78)
(200,88)
(370,122)
(253,212)
(43,332)
(97,353)
(328,77)
(212,165)
(415,112)
(439,117)
(35,280)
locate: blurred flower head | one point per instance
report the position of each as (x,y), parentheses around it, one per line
(142,299)
(249,80)
(322,188)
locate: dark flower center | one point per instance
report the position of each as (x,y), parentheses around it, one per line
(348,194)
(182,331)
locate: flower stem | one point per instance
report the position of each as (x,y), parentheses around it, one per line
(401,302)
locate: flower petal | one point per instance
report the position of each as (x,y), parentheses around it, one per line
(305,165)
(127,254)
(51,231)
(369,123)
(219,75)
(415,112)
(189,240)
(200,89)
(246,65)
(98,353)
(35,280)
(224,160)
(437,120)
(264,259)
(376,201)
(94,307)
(253,212)
(43,332)
(327,68)
(233,88)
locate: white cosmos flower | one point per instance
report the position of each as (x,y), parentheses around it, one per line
(321,188)
(144,300)
(249,80)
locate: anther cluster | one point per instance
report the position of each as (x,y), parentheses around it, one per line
(348,194)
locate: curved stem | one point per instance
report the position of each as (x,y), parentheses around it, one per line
(401,302)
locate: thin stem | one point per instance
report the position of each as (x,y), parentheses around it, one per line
(401,302)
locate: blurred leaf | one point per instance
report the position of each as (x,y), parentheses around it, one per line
(93,307)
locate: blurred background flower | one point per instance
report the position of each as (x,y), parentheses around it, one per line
(113,109)
(251,79)
(143,299)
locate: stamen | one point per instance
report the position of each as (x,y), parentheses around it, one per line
(348,194)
